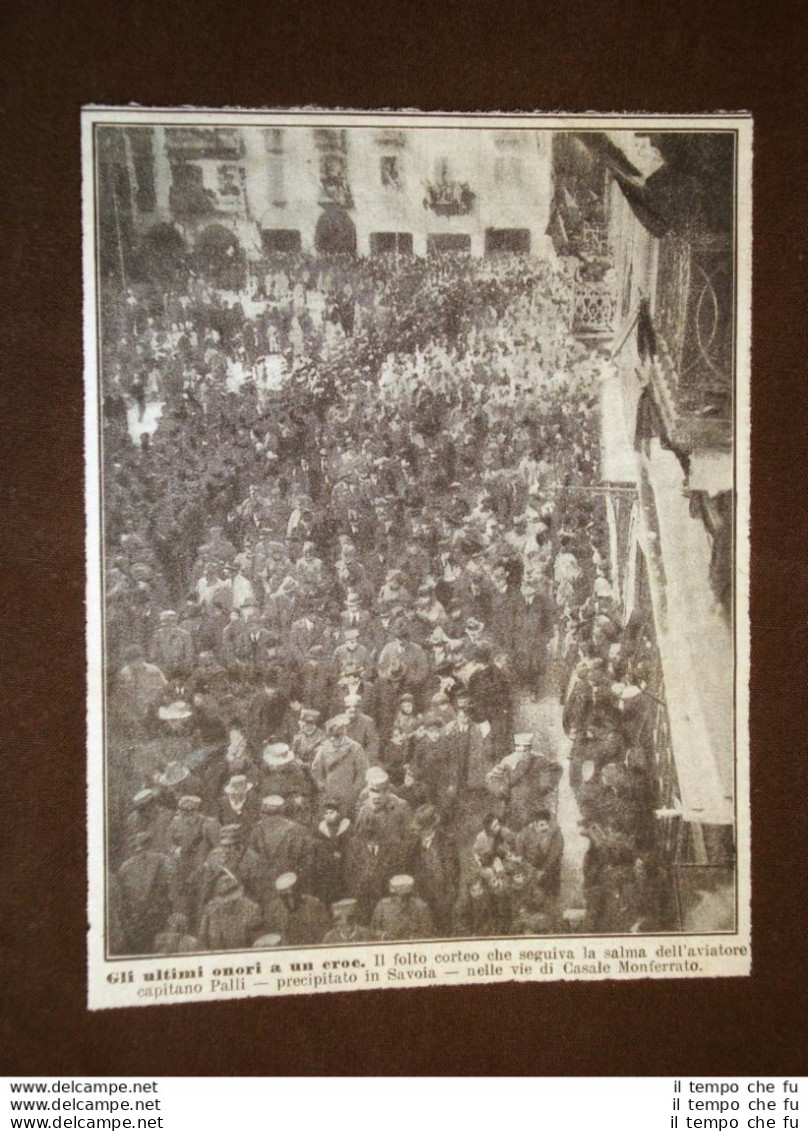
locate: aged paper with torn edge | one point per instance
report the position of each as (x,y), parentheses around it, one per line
(417,456)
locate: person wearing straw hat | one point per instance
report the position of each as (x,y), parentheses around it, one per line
(237,803)
(340,765)
(401,915)
(284,776)
(146,814)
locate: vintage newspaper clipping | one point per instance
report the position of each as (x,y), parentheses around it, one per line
(417,532)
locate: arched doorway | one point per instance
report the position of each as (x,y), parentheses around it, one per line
(220,258)
(335,233)
(162,255)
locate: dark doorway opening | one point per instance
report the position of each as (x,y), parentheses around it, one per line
(448,241)
(335,233)
(507,239)
(386,243)
(276,240)
(220,258)
(162,255)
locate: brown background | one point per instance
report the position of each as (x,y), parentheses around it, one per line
(659,55)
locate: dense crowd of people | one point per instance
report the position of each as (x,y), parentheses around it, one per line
(365,528)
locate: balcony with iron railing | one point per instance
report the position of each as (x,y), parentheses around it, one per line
(692,341)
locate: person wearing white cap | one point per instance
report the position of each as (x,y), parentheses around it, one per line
(282,844)
(402,915)
(390,813)
(340,765)
(300,918)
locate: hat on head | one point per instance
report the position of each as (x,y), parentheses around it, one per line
(351,634)
(189,803)
(309,715)
(332,803)
(431,719)
(144,795)
(377,778)
(239,783)
(523,740)
(474,625)
(402,885)
(285,882)
(173,774)
(174,712)
(339,722)
(407,697)
(167,614)
(345,905)
(266,941)
(426,817)
(226,885)
(277,754)
(274,803)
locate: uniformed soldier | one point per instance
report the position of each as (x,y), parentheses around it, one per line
(346,929)
(300,918)
(402,915)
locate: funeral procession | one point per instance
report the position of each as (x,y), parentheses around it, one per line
(418,511)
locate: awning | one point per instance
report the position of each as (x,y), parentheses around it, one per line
(695,647)
(618,460)
(711,472)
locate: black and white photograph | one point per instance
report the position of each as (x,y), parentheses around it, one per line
(417,538)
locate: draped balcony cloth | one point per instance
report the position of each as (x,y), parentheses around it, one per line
(618,459)
(695,647)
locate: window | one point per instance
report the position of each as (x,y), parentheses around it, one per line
(273,140)
(448,241)
(509,171)
(228,181)
(387,243)
(390,171)
(280,240)
(331,141)
(507,239)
